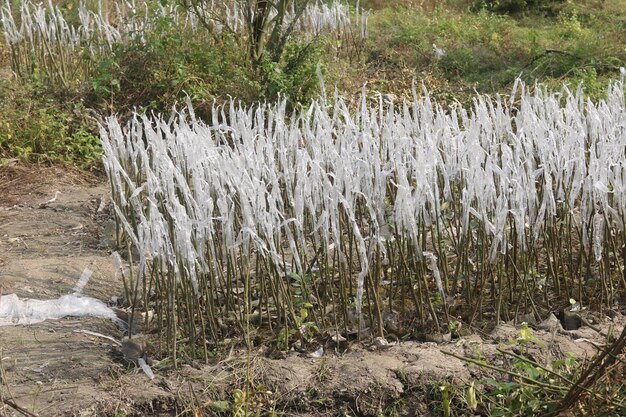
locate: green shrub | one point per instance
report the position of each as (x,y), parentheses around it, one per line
(295,76)
(169,65)
(37,127)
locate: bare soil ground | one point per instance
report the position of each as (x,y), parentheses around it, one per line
(49,369)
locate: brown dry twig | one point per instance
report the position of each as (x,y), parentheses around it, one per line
(8,401)
(594,372)
(18,408)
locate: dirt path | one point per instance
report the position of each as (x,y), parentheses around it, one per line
(49,369)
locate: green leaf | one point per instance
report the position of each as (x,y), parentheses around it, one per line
(525,332)
(472,402)
(220,406)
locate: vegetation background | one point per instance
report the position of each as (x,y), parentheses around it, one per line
(454,47)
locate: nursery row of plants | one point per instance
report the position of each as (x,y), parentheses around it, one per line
(339,219)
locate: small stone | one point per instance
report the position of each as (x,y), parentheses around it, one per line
(337,338)
(317,354)
(133,349)
(380,343)
(550,324)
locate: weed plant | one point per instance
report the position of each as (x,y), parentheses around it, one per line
(574,42)
(37,128)
(43,43)
(527,388)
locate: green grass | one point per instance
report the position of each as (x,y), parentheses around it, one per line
(484,51)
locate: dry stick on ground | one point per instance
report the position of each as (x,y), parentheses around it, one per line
(17,408)
(546,53)
(526,380)
(7,401)
(90,333)
(593,373)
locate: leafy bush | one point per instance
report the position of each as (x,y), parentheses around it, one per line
(157,72)
(295,76)
(169,65)
(34,126)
